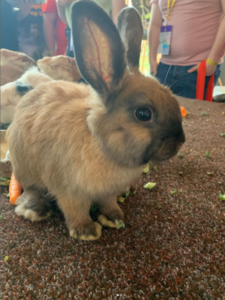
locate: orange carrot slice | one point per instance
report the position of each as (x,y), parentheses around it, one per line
(15,190)
(183,111)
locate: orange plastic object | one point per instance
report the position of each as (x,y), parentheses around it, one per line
(15,190)
(201,84)
(183,111)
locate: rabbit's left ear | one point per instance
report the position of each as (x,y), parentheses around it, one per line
(98,48)
(131,31)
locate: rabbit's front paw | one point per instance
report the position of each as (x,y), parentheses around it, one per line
(112,218)
(87,232)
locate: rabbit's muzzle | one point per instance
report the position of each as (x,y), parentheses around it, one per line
(165,145)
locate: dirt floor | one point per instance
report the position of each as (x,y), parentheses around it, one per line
(173,245)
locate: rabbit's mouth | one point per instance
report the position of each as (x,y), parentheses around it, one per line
(164,148)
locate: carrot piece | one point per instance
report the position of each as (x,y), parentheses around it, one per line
(15,190)
(183,111)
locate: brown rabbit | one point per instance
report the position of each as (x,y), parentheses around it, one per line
(13,65)
(12,92)
(89,147)
(59,67)
(17,60)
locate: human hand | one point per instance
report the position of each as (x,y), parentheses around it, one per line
(24,8)
(210,70)
(63,2)
(154,67)
(25,4)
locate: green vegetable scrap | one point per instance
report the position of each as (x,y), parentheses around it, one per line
(1,217)
(204,113)
(5,181)
(210,173)
(146,169)
(121,199)
(222,197)
(134,192)
(173,192)
(155,169)
(127,194)
(6,258)
(179,154)
(222,134)
(207,155)
(149,185)
(120,225)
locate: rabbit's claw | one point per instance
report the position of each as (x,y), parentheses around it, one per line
(108,223)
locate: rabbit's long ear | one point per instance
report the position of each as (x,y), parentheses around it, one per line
(131,31)
(98,48)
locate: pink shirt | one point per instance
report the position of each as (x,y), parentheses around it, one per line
(195,25)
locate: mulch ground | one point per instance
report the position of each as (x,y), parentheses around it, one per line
(173,245)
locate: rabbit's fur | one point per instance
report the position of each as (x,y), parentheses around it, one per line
(12,93)
(9,74)
(34,77)
(59,67)
(86,144)
(13,65)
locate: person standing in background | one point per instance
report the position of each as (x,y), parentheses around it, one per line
(112,7)
(54,29)
(194,31)
(30,28)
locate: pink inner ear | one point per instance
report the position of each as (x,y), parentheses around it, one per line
(97,51)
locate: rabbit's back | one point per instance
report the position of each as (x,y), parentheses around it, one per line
(48,122)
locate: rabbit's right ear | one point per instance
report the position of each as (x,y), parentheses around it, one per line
(98,48)
(131,31)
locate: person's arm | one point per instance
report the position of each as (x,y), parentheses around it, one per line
(61,8)
(154,33)
(24,8)
(49,31)
(217,49)
(61,12)
(117,6)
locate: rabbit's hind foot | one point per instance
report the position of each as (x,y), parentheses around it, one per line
(34,204)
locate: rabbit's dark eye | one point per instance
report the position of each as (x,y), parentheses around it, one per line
(143,114)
